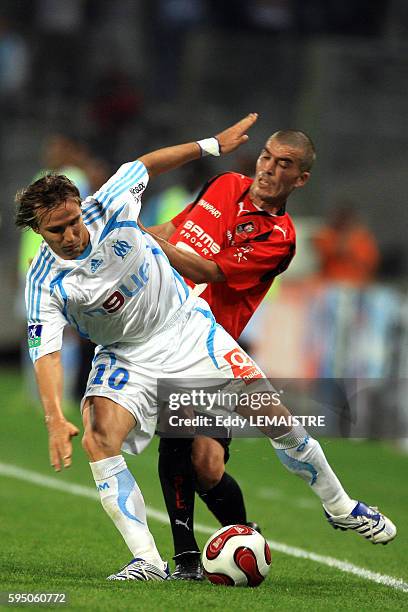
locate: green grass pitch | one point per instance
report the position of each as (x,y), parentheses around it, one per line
(55,541)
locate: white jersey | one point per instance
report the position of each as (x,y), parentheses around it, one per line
(121,289)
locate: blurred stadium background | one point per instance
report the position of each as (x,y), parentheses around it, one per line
(88,84)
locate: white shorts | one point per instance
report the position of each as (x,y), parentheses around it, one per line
(194,346)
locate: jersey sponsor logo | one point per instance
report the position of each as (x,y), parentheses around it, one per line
(245,228)
(210,208)
(278,227)
(196,235)
(34,335)
(95,264)
(121,248)
(242,366)
(241,251)
(242,209)
(131,286)
(136,282)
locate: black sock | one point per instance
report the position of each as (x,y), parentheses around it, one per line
(226,501)
(178,485)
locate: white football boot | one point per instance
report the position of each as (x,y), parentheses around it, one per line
(367,521)
(139,569)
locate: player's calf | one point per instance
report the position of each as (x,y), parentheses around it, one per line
(106,425)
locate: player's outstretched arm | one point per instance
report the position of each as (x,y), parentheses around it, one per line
(49,375)
(164,230)
(188,264)
(226,141)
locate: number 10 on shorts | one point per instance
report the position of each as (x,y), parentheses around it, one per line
(117,379)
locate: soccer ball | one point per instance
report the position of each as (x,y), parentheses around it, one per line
(236,556)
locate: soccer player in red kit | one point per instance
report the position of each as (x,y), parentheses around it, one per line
(235,238)
(249,245)
(231,242)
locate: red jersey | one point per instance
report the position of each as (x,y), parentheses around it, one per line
(250,246)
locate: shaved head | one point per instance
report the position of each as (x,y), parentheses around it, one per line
(298,140)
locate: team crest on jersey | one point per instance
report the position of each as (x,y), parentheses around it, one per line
(121,248)
(95,264)
(245,228)
(34,335)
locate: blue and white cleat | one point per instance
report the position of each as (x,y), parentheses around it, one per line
(367,521)
(139,569)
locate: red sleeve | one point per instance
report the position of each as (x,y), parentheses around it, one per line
(255,262)
(178,219)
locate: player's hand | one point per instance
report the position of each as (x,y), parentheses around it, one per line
(234,136)
(60,432)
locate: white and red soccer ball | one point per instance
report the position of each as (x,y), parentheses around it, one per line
(236,555)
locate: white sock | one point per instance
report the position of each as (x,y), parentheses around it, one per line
(123,501)
(304,456)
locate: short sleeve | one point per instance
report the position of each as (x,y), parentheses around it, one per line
(252,263)
(126,186)
(45,326)
(44,305)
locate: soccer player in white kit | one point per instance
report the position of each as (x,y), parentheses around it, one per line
(98,272)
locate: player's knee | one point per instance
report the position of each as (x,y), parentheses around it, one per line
(209,470)
(98,443)
(88,444)
(207,480)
